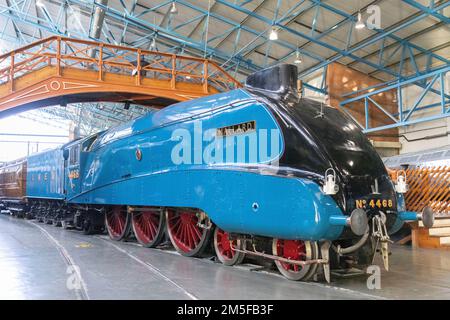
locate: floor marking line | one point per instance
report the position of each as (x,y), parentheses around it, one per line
(68,259)
(315,284)
(151,268)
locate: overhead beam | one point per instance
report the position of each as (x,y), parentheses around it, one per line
(430,10)
(392,45)
(381,34)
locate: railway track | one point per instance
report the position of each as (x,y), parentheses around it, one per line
(126,269)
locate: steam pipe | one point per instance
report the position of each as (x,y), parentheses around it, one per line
(354,247)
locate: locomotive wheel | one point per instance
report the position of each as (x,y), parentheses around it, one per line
(57,223)
(223,247)
(148,227)
(188,238)
(295,250)
(66,225)
(88,227)
(118,223)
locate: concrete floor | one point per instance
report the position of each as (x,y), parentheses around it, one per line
(43,262)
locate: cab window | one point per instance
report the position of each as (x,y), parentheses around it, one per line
(74,155)
(87,145)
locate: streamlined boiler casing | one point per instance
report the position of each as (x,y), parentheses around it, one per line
(252,159)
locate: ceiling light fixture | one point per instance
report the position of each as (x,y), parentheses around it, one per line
(173,8)
(153,44)
(40,4)
(273,34)
(360,24)
(298,58)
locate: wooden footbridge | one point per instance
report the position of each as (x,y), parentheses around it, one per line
(60,70)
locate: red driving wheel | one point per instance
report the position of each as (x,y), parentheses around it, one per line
(117,222)
(298,250)
(224,248)
(148,226)
(187,236)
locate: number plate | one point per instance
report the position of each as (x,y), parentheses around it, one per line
(374,203)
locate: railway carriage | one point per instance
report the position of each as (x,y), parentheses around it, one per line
(256,171)
(13,187)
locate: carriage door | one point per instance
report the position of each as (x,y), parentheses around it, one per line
(73,184)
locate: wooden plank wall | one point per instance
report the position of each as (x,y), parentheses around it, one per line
(341,80)
(429,186)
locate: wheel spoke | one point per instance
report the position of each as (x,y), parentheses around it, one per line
(151,229)
(153,223)
(182,236)
(192,234)
(197,231)
(119,225)
(176,225)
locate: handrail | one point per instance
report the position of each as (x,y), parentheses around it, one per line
(399,113)
(62,52)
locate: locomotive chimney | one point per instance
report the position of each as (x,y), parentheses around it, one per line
(281,79)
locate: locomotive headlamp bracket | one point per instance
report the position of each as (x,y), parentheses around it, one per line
(330,187)
(401,186)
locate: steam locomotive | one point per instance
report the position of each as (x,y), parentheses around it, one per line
(254,172)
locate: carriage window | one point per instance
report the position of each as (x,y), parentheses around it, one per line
(87,145)
(74,156)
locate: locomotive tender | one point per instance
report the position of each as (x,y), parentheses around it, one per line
(255,171)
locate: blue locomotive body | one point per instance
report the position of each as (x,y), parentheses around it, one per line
(251,163)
